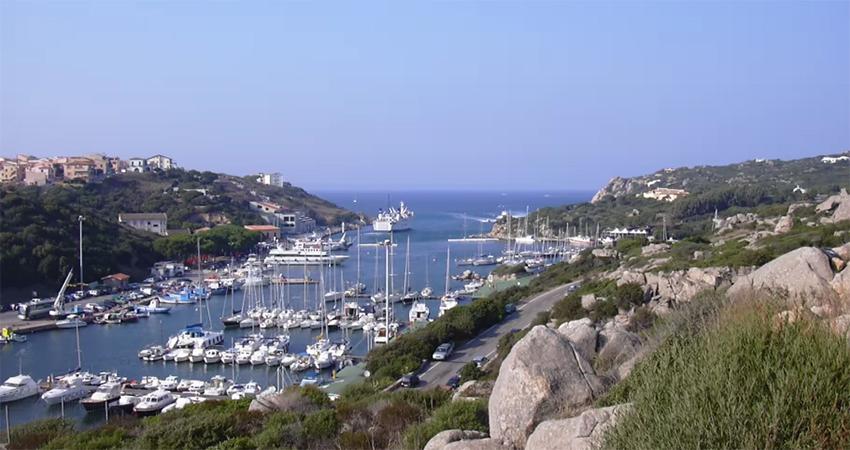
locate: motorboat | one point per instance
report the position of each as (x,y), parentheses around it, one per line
(419,312)
(170,383)
(106,396)
(243,357)
(258,357)
(154,353)
(182,402)
(447,302)
(212,356)
(67,389)
(217,387)
(287,359)
(126,403)
(194,336)
(154,307)
(153,403)
(182,354)
(18,387)
(228,357)
(393,219)
(197,355)
(427,292)
(71,321)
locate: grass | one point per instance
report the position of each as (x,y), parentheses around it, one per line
(734,378)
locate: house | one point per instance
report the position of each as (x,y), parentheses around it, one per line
(116,281)
(266,207)
(160,162)
(151,222)
(295,222)
(834,159)
(271,179)
(101,163)
(664,194)
(11,172)
(269,232)
(138,165)
(39,174)
(78,168)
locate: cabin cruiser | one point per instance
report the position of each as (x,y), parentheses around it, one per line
(419,312)
(212,356)
(153,403)
(71,321)
(106,396)
(384,334)
(154,353)
(170,383)
(67,389)
(427,292)
(126,403)
(448,302)
(194,336)
(18,387)
(393,219)
(217,387)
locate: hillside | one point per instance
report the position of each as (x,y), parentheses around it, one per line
(760,186)
(39,230)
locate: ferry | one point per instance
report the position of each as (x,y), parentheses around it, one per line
(393,219)
(303,253)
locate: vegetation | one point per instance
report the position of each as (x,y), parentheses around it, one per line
(739,379)
(465,415)
(39,228)
(221,240)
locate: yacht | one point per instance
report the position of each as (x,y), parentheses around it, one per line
(68,388)
(18,387)
(448,302)
(217,387)
(153,403)
(212,356)
(303,253)
(194,336)
(393,219)
(106,396)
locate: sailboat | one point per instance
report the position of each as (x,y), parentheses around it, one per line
(386,331)
(449,299)
(410,294)
(58,310)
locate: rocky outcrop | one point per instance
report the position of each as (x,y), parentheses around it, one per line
(442,439)
(583,432)
(530,387)
(654,249)
(802,274)
(616,347)
(784,225)
(616,187)
(583,336)
(683,285)
(838,205)
(588,300)
(477,444)
(605,253)
(473,390)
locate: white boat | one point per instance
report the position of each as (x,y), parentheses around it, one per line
(393,219)
(106,396)
(126,403)
(72,321)
(244,356)
(228,357)
(153,403)
(18,387)
(303,253)
(212,356)
(427,292)
(7,336)
(194,336)
(447,302)
(182,354)
(419,312)
(170,383)
(67,389)
(287,359)
(197,355)
(258,357)
(217,387)
(154,307)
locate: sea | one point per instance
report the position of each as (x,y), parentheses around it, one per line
(439,216)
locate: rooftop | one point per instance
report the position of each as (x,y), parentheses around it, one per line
(141,216)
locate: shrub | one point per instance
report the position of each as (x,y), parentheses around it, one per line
(569,308)
(320,425)
(280,429)
(542,318)
(631,247)
(641,320)
(355,440)
(38,433)
(470,371)
(628,295)
(466,415)
(742,382)
(604,309)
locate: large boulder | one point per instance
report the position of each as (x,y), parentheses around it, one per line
(583,336)
(476,444)
(804,273)
(588,300)
(444,438)
(544,374)
(654,249)
(584,432)
(843,251)
(841,284)
(616,347)
(784,225)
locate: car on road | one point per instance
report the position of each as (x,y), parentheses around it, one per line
(510,308)
(443,351)
(410,380)
(480,361)
(454,382)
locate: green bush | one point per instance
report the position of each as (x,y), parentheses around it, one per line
(320,425)
(628,295)
(631,247)
(37,434)
(466,415)
(742,382)
(642,319)
(470,371)
(569,308)
(280,429)
(604,309)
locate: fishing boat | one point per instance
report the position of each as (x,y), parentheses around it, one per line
(393,219)
(18,387)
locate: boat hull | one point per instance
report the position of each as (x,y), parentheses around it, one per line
(99,405)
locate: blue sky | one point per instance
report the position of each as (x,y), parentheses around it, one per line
(418,95)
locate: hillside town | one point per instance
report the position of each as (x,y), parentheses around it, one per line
(33,171)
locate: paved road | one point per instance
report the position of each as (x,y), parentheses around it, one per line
(485,344)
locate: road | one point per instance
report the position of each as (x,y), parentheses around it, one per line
(438,373)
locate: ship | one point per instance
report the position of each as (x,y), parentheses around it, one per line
(393,219)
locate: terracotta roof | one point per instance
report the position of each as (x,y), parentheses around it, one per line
(262,228)
(117,276)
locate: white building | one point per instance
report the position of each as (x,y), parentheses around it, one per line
(138,165)
(271,179)
(160,162)
(295,222)
(150,222)
(834,159)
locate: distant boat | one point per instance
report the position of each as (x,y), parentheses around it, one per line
(393,219)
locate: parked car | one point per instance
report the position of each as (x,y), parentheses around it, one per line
(510,308)
(410,380)
(443,351)
(480,361)
(454,382)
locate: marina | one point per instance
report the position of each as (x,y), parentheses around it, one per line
(340,331)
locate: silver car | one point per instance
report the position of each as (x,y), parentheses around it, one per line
(443,351)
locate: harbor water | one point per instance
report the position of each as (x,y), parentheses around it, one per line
(439,216)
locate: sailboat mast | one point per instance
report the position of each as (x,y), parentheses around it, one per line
(387,287)
(407,267)
(448,257)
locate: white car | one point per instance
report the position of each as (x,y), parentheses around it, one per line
(443,351)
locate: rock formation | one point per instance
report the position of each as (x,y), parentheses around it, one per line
(583,432)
